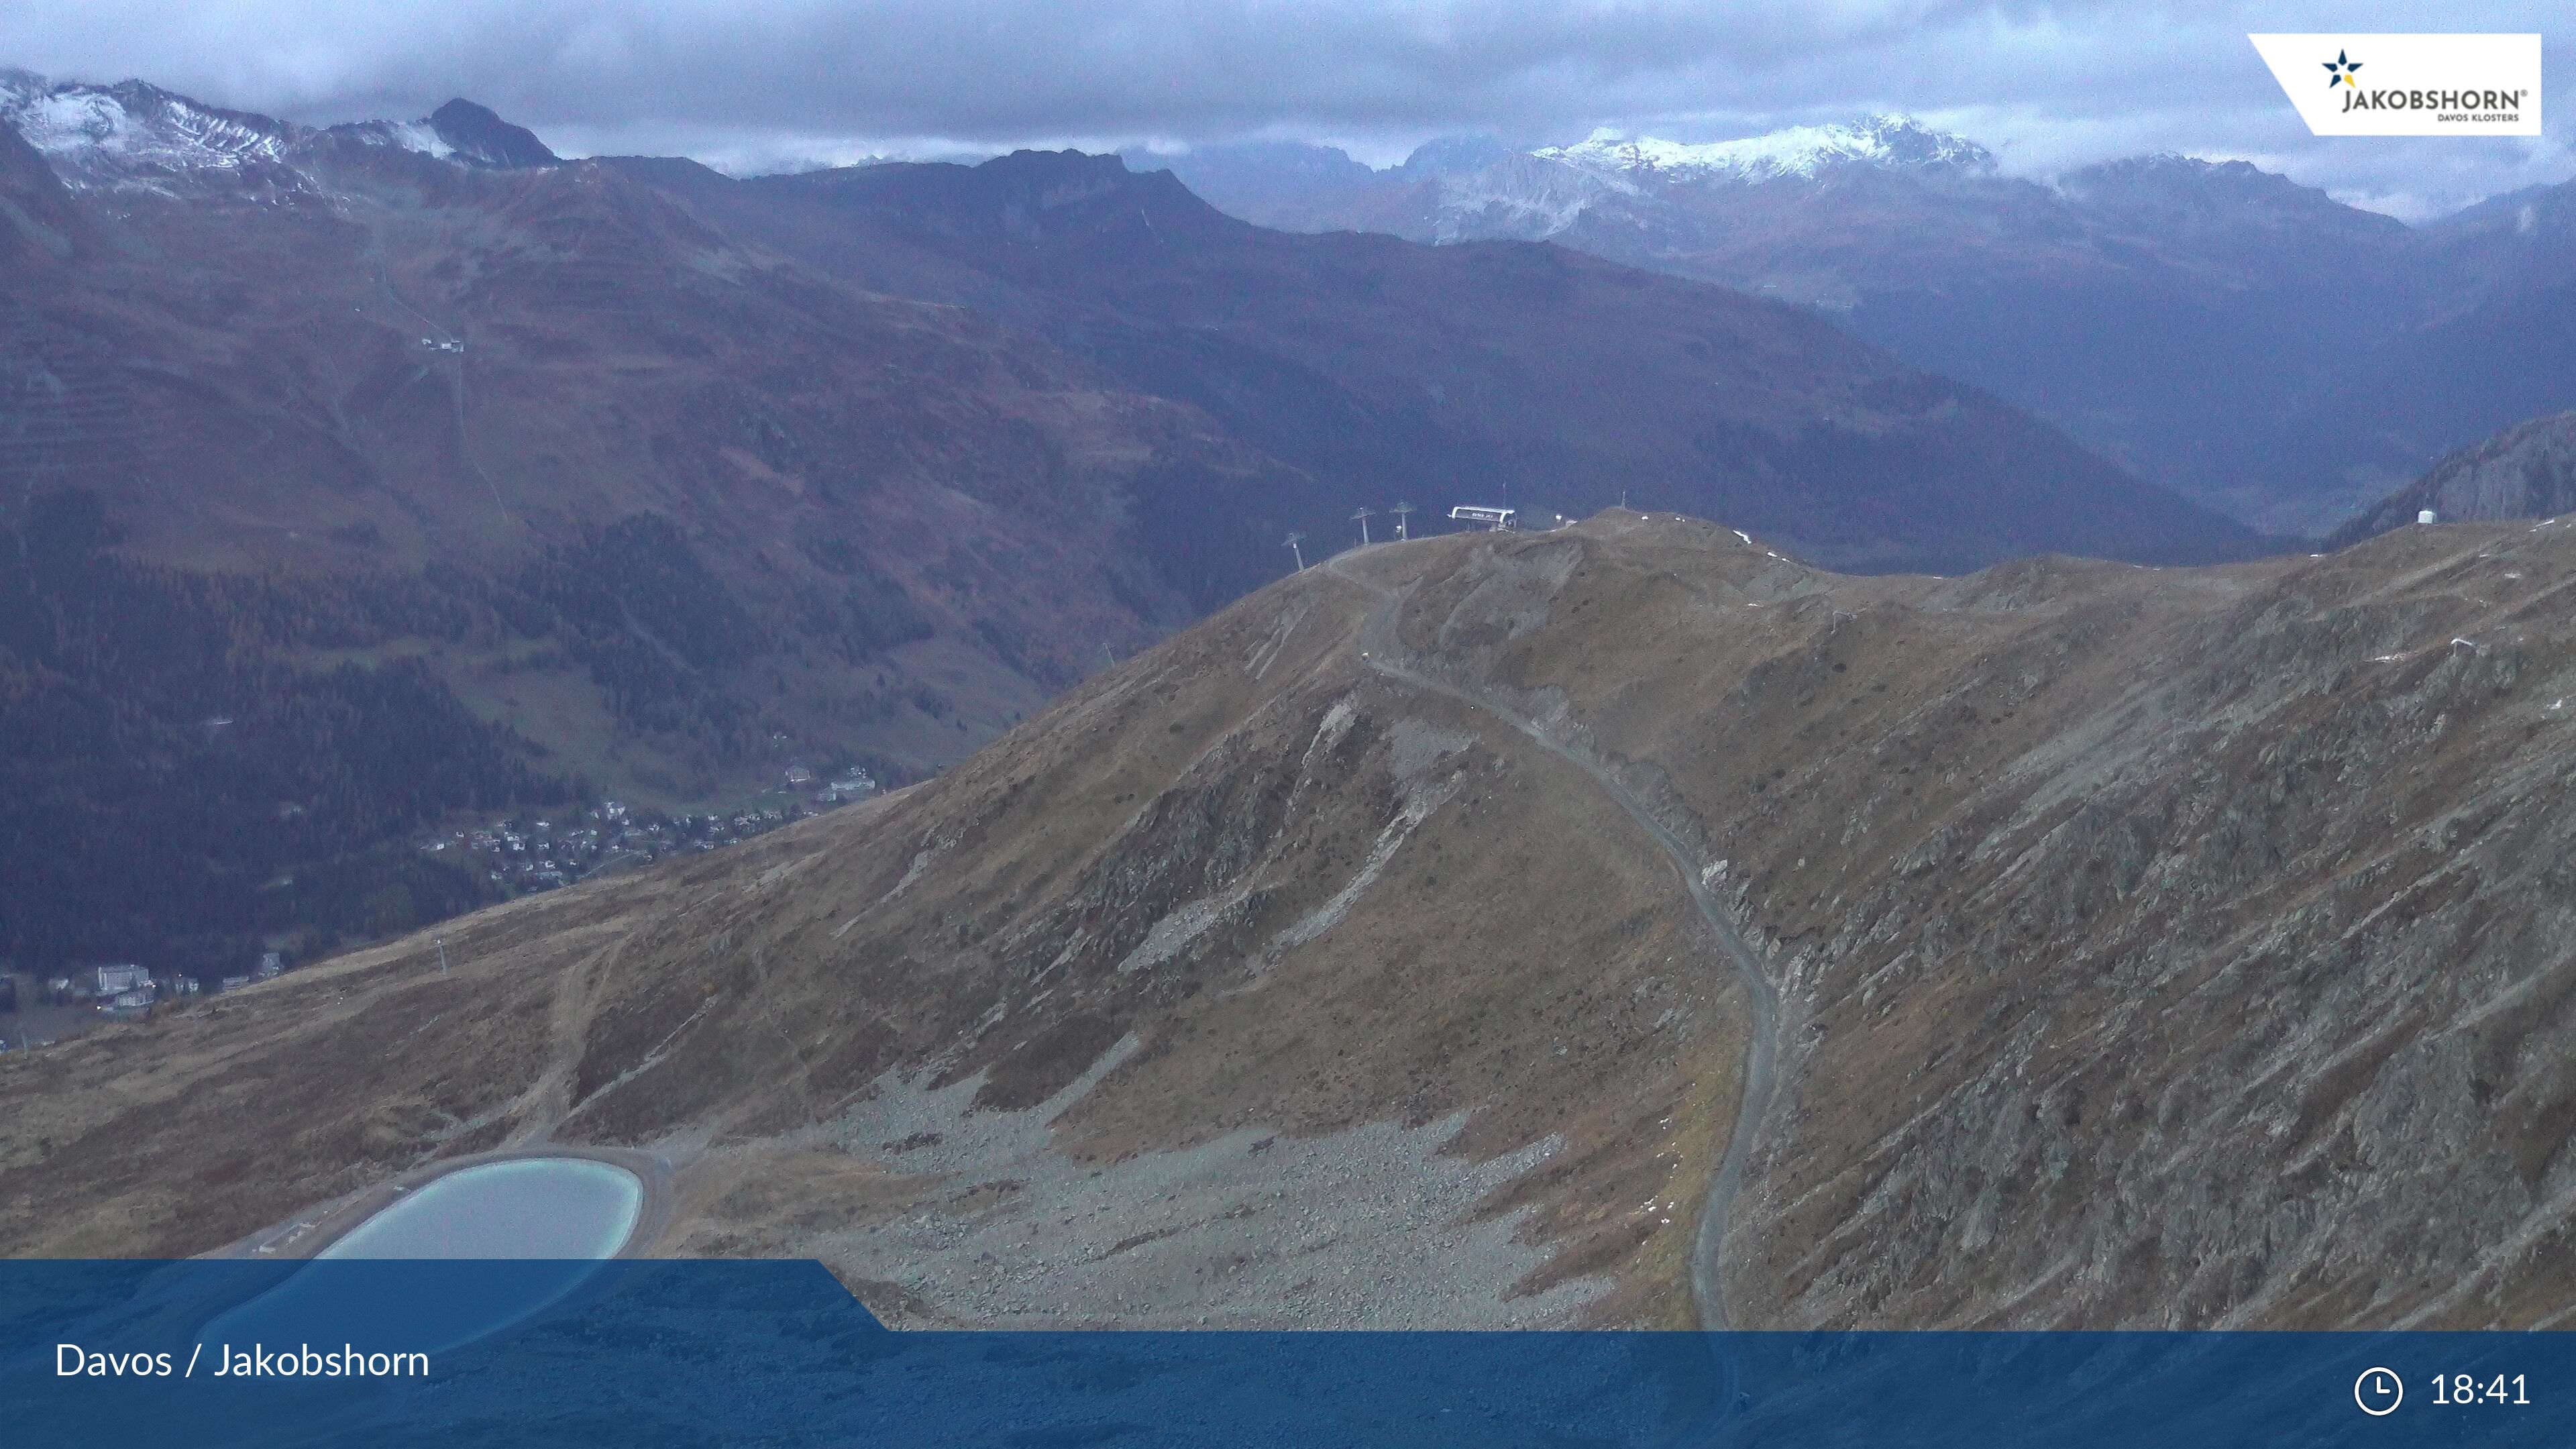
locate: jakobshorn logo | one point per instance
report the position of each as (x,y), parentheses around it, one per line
(2419,85)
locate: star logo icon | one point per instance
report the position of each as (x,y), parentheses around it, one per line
(2339,71)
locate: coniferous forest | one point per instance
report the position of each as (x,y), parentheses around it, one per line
(197,762)
(174,789)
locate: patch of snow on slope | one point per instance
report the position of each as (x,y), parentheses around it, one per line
(418,136)
(68,121)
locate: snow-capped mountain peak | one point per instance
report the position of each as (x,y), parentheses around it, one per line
(133,137)
(1797,151)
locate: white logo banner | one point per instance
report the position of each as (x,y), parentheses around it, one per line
(2409,85)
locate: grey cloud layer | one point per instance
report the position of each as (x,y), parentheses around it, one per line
(2052,84)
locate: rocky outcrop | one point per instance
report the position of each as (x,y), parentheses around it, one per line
(481,138)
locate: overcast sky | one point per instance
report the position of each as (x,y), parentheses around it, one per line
(758,84)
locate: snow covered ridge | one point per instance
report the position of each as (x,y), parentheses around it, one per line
(136,137)
(1800,151)
(132,135)
(1529,198)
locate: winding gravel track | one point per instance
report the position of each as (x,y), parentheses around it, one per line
(1381,651)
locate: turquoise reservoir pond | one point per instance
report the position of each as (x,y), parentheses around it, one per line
(534,1207)
(477,1250)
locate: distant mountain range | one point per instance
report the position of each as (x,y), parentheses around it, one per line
(2207,324)
(1506,373)
(456,480)
(638,479)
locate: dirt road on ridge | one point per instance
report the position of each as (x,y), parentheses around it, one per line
(1383,652)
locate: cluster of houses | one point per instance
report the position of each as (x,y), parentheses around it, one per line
(540,855)
(522,855)
(126,989)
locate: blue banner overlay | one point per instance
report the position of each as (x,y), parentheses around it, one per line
(719,1353)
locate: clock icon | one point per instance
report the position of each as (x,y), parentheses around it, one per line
(2379,1391)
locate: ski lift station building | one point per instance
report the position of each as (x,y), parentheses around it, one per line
(1495,519)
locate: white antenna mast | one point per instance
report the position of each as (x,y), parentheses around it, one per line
(1295,539)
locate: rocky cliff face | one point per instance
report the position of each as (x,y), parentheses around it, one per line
(2526,471)
(2126,947)
(2230,998)
(484,139)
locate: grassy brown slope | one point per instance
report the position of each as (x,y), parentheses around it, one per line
(2155,947)
(2169,948)
(743,1004)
